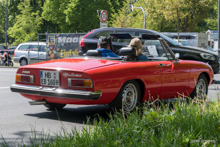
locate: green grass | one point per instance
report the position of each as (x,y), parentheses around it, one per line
(196,123)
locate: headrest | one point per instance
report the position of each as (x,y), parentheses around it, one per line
(97,53)
(127,51)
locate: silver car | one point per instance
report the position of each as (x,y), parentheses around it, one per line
(30,52)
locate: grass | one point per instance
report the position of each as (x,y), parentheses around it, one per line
(196,123)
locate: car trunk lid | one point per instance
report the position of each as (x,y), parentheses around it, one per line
(77,64)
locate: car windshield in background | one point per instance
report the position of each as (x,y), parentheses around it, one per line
(185,43)
(169,39)
(2,47)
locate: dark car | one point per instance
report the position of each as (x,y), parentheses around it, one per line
(2,49)
(89,41)
(9,49)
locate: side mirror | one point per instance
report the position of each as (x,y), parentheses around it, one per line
(177,55)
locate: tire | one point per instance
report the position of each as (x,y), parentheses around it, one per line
(216,71)
(10,63)
(201,89)
(53,106)
(23,62)
(129,96)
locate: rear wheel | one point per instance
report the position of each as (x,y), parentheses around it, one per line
(10,63)
(128,97)
(201,89)
(23,62)
(53,106)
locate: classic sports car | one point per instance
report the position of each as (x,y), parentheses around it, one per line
(92,79)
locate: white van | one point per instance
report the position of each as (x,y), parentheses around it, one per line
(30,52)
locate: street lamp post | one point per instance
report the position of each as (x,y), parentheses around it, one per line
(132,8)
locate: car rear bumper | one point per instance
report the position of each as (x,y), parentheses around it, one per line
(56,92)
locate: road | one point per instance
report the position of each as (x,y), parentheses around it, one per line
(18,120)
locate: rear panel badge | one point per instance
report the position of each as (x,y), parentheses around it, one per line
(71,75)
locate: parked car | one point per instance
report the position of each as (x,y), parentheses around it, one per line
(12,49)
(89,41)
(116,81)
(30,52)
(2,49)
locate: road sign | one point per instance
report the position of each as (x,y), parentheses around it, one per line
(103,16)
(103,24)
(51,40)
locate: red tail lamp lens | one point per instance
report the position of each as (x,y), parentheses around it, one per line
(24,78)
(82,44)
(87,83)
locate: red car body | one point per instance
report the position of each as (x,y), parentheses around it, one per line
(110,79)
(108,76)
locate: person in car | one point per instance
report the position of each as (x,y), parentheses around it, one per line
(137,44)
(104,46)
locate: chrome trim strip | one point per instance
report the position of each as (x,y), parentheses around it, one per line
(56,92)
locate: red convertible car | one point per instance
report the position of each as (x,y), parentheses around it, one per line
(92,80)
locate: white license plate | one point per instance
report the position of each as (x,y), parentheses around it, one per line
(49,78)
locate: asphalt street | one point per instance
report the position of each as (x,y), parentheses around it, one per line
(19,120)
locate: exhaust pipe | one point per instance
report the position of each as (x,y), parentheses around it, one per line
(37,102)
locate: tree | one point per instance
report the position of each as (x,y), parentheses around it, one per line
(78,15)
(155,19)
(2,20)
(212,20)
(186,14)
(27,23)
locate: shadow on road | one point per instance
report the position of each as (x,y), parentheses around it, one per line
(79,115)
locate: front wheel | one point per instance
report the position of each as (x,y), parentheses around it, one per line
(128,97)
(201,89)
(10,63)
(53,106)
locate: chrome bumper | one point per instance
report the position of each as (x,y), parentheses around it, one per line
(56,92)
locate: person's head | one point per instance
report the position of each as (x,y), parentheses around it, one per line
(103,42)
(137,44)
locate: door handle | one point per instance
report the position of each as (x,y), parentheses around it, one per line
(161,64)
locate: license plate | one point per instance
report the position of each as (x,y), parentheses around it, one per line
(49,78)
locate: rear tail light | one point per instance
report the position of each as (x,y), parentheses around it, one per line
(85,83)
(24,78)
(82,44)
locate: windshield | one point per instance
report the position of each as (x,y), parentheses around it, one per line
(185,43)
(2,47)
(169,39)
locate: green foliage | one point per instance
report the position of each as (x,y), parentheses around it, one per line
(181,124)
(27,23)
(28,17)
(186,13)
(2,20)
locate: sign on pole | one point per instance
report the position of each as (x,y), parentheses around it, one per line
(103,17)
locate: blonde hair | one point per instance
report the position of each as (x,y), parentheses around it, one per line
(137,44)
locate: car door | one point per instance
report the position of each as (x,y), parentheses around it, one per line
(33,53)
(174,77)
(42,53)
